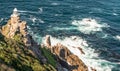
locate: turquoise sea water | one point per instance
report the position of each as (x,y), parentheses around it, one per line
(65,18)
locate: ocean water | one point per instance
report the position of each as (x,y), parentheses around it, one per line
(66,20)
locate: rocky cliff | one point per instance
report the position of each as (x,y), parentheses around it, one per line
(19,52)
(63,55)
(16,26)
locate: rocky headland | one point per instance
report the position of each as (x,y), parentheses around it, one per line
(19,52)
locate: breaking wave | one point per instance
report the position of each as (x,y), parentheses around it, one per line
(55,4)
(90,58)
(40,10)
(1,19)
(117,37)
(36,20)
(63,28)
(88,25)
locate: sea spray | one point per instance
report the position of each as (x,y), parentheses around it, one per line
(117,37)
(90,58)
(88,25)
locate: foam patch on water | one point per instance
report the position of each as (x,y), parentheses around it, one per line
(54,3)
(63,28)
(88,25)
(90,58)
(23,11)
(40,10)
(115,14)
(1,19)
(34,19)
(38,38)
(58,14)
(117,37)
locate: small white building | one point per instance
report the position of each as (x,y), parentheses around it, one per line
(15,16)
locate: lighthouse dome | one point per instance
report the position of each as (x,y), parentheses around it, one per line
(15,13)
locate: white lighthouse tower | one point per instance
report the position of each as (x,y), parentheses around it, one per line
(15,16)
(15,13)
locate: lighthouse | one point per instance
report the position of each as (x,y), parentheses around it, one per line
(15,16)
(15,13)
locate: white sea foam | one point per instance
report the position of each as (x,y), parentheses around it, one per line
(105,36)
(40,10)
(1,19)
(23,11)
(58,14)
(117,37)
(88,25)
(34,19)
(115,14)
(38,38)
(54,3)
(63,28)
(90,58)
(41,21)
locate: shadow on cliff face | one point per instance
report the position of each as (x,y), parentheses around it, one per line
(67,59)
(67,66)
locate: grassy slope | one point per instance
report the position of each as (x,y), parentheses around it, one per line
(15,56)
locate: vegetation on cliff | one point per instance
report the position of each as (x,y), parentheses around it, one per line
(18,51)
(49,56)
(15,56)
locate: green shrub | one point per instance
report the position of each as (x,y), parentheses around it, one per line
(49,56)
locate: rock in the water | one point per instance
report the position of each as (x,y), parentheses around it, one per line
(67,59)
(47,41)
(12,25)
(20,51)
(73,63)
(93,69)
(82,52)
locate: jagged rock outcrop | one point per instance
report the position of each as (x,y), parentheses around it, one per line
(66,58)
(14,26)
(47,41)
(15,29)
(18,51)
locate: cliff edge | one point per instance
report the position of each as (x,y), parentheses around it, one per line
(19,52)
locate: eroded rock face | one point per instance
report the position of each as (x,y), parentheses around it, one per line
(12,25)
(23,28)
(47,41)
(65,57)
(69,60)
(16,33)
